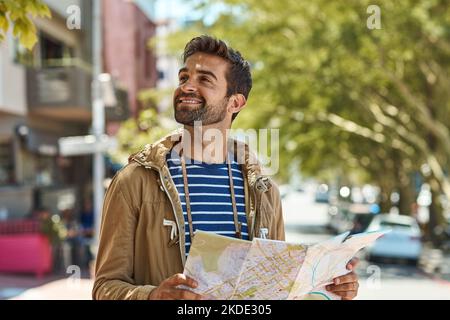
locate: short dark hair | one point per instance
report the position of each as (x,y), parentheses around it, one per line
(239,78)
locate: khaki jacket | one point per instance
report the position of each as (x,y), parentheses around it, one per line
(142,237)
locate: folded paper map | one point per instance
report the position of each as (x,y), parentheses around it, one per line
(228,268)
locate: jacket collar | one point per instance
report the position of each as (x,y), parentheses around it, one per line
(154,155)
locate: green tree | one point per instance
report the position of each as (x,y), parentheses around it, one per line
(148,127)
(371,101)
(17,13)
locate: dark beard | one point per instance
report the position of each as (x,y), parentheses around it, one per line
(207,114)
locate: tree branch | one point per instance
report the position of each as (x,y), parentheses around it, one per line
(437,128)
(353,127)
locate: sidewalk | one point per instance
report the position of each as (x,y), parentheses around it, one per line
(28,287)
(64,289)
(435,263)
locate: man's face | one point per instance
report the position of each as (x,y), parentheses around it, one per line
(201,93)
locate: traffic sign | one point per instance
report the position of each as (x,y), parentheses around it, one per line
(83,145)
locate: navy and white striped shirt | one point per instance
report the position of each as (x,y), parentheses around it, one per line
(209,194)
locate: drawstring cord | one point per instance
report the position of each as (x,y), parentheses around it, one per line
(173,225)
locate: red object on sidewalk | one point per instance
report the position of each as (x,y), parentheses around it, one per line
(27,252)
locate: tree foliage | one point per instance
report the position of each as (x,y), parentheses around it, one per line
(17,13)
(348,98)
(148,127)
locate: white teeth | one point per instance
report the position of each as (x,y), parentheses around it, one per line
(189,101)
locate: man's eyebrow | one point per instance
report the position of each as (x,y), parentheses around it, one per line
(209,73)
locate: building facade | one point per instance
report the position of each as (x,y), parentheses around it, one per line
(45,94)
(127,57)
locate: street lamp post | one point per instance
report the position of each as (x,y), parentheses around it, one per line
(98,117)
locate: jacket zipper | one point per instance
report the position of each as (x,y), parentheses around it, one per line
(183,258)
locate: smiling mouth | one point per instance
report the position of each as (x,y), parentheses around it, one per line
(189,101)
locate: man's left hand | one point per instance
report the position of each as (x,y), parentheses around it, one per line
(346,286)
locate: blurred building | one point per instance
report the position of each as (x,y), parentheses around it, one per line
(167,64)
(45,94)
(126,33)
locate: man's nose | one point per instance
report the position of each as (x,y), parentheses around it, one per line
(188,87)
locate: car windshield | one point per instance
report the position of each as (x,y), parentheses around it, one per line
(361,222)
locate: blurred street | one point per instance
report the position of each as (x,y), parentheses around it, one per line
(23,286)
(49,288)
(306,221)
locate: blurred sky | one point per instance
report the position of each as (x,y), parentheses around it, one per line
(162,9)
(179,10)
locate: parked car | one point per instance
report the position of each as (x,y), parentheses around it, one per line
(353,217)
(361,221)
(402,242)
(322,194)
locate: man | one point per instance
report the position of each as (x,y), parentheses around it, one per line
(154,205)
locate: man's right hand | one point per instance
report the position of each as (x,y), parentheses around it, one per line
(167,289)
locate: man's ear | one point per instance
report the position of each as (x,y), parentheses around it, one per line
(238,102)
